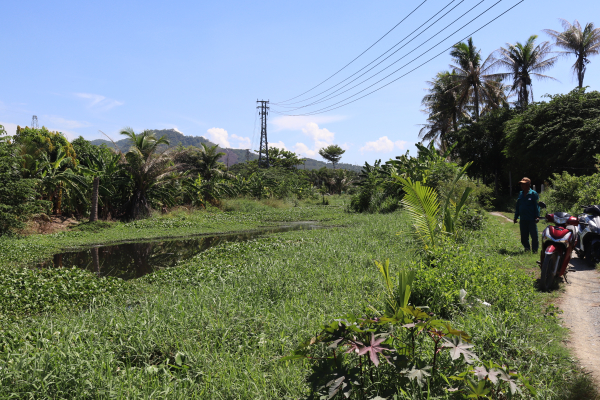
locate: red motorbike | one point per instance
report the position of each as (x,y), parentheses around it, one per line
(558,242)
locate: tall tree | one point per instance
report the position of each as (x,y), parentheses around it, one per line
(203,160)
(149,172)
(582,43)
(474,82)
(442,106)
(332,153)
(524,61)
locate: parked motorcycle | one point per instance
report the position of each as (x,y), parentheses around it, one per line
(558,242)
(588,246)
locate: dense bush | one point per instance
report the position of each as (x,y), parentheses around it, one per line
(570,193)
(454,267)
(18,196)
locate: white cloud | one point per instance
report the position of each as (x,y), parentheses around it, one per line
(243,142)
(99,102)
(219,136)
(65,123)
(297,123)
(401,144)
(383,144)
(303,149)
(321,136)
(279,145)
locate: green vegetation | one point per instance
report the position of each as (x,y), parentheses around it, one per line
(332,153)
(408,292)
(469,111)
(222,322)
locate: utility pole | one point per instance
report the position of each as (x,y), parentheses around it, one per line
(34,122)
(263,160)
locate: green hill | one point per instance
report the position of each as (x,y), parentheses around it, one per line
(233,156)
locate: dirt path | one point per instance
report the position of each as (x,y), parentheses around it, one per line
(581,314)
(501,216)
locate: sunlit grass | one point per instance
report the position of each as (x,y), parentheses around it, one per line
(236,309)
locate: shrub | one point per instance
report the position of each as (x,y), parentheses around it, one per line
(454,267)
(569,193)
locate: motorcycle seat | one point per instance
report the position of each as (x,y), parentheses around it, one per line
(558,232)
(592,210)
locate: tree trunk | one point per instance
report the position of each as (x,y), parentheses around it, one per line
(59,202)
(94,210)
(496,182)
(476,103)
(580,70)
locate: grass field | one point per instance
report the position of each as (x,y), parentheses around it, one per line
(217,326)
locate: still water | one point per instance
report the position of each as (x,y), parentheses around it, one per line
(134,260)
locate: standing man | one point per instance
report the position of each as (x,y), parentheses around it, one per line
(527,208)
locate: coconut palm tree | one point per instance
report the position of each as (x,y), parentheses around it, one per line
(204,161)
(525,61)
(474,82)
(442,106)
(582,43)
(104,169)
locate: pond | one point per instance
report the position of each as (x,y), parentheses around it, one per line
(136,259)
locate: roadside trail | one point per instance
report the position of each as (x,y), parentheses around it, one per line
(501,216)
(581,314)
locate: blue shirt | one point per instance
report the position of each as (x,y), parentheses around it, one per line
(527,206)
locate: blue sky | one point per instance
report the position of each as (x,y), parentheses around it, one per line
(199,67)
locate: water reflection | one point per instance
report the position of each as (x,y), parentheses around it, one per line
(133,260)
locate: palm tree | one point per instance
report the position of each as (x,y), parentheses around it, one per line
(204,161)
(582,43)
(150,173)
(474,83)
(524,61)
(103,168)
(442,106)
(59,181)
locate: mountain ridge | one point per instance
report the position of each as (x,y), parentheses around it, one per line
(231,157)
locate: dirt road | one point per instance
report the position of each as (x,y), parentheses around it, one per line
(581,314)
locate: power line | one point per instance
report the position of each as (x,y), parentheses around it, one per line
(330,108)
(341,69)
(387,51)
(331,95)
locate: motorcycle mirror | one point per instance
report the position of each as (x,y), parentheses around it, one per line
(542,204)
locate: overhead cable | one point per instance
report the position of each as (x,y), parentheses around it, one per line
(331,95)
(357,57)
(387,51)
(331,107)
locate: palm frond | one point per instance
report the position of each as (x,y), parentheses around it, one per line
(421,203)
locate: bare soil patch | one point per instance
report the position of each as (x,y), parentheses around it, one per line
(48,224)
(581,314)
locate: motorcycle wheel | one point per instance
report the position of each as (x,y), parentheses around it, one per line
(547,278)
(589,256)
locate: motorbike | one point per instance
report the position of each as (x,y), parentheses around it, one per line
(588,246)
(558,242)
